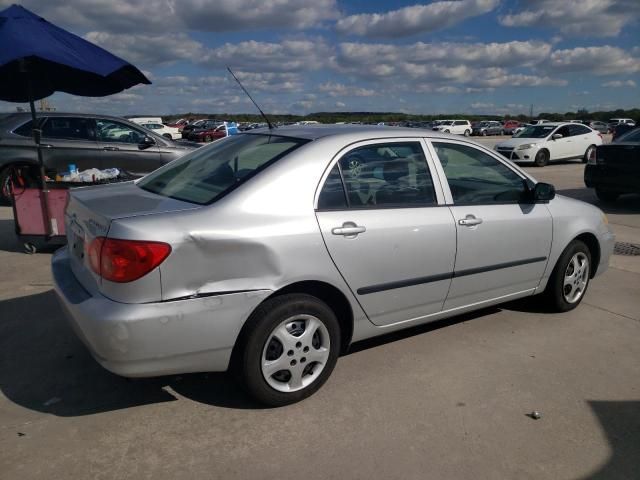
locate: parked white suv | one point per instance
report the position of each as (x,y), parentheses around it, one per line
(546,142)
(460,127)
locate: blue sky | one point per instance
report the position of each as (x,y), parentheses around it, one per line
(453,56)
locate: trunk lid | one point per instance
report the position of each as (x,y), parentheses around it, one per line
(90,212)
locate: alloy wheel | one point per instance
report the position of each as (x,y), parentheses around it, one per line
(295,353)
(576,278)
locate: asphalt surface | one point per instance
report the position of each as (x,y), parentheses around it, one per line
(444,401)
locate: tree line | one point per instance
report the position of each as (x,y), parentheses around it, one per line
(394,117)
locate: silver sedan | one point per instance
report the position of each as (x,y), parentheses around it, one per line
(270,252)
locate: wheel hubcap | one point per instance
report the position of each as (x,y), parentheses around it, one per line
(295,353)
(576,277)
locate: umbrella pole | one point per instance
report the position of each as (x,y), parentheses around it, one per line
(49,230)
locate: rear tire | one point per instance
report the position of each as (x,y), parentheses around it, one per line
(207,138)
(167,135)
(542,158)
(467,133)
(484,133)
(297,332)
(570,278)
(606,196)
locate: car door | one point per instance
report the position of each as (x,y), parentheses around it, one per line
(70,141)
(381,220)
(561,147)
(503,241)
(123,147)
(581,137)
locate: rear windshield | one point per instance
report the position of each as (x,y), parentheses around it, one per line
(210,172)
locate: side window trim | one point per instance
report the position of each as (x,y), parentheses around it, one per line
(430,164)
(442,178)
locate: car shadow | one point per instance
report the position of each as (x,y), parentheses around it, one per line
(625,204)
(620,422)
(44,367)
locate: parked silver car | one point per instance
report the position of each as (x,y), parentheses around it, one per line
(270,252)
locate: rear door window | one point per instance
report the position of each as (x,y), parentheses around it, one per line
(576,129)
(209,173)
(69,128)
(379,176)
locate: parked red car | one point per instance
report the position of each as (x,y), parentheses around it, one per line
(209,134)
(509,126)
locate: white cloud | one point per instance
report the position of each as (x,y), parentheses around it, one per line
(620,83)
(341,90)
(340,104)
(161,16)
(428,66)
(149,50)
(414,19)
(602,18)
(481,105)
(271,82)
(606,60)
(291,55)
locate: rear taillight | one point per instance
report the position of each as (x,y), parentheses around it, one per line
(591,159)
(125,260)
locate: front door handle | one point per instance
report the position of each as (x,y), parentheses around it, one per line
(46,145)
(348,229)
(111,149)
(470,221)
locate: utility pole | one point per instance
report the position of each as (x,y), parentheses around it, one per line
(531,112)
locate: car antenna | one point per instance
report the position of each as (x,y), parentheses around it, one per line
(271,126)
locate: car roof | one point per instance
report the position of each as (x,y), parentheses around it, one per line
(355,132)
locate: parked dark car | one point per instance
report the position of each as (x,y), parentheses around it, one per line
(615,167)
(87,141)
(487,128)
(598,126)
(620,129)
(197,126)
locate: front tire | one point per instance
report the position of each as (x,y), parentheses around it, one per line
(542,158)
(207,138)
(288,349)
(570,278)
(587,154)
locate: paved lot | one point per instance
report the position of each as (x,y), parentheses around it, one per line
(445,401)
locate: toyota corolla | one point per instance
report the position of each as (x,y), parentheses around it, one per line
(270,252)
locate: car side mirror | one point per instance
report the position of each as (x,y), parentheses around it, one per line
(147,142)
(543,192)
(556,136)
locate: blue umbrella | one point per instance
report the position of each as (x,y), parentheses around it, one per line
(38,59)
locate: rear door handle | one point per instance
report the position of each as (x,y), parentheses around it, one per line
(46,145)
(111,149)
(348,229)
(470,221)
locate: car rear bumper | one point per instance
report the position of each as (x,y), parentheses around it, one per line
(151,339)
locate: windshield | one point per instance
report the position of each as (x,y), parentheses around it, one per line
(210,172)
(536,131)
